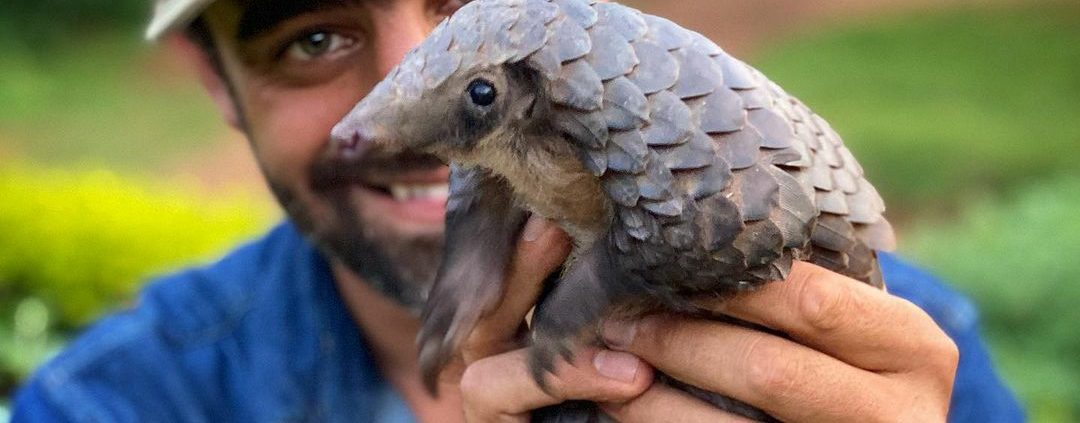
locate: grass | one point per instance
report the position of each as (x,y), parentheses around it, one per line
(937,105)
(104,101)
(973,113)
(1015,256)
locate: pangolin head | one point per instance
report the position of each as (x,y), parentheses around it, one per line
(466,85)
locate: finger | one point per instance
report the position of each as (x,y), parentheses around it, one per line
(842,317)
(787,380)
(502,386)
(542,248)
(661,403)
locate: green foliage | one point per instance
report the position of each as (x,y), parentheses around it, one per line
(1017,258)
(36,24)
(25,342)
(935,104)
(83,241)
(945,102)
(106,101)
(944,107)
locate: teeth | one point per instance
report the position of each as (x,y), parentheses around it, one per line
(439,191)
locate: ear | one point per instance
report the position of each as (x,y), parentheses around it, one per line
(523,106)
(211,79)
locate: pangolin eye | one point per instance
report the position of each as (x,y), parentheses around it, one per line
(482,92)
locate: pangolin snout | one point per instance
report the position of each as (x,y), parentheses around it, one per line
(349,143)
(361,131)
(367,125)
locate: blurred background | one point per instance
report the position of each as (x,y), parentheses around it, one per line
(966,114)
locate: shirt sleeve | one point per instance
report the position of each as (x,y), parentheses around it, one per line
(118,371)
(31,405)
(260,335)
(979,394)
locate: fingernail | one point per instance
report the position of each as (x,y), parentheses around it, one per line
(616,365)
(535,228)
(619,334)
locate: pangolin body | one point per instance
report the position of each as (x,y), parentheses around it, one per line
(679,171)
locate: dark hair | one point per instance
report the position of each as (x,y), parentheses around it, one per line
(199,33)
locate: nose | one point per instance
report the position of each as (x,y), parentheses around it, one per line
(348,143)
(398,27)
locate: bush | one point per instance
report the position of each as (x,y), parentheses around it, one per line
(109,99)
(25,342)
(83,241)
(33,24)
(1017,258)
(944,102)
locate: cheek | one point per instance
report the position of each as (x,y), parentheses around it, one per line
(289,126)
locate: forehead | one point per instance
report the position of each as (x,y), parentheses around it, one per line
(257,17)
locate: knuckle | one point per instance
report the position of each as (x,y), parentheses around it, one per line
(557,388)
(916,406)
(892,402)
(555,383)
(655,333)
(803,272)
(770,371)
(885,414)
(952,355)
(946,349)
(939,351)
(472,382)
(824,304)
(872,414)
(909,308)
(946,357)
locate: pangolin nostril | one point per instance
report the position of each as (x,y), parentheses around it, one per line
(351,142)
(349,145)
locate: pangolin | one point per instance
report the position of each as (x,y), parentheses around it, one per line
(679,171)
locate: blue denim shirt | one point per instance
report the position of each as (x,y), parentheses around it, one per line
(263,336)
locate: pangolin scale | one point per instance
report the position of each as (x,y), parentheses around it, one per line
(679,171)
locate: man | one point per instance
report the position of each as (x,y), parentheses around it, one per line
(284,329)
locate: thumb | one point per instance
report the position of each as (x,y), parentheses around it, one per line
(501,387)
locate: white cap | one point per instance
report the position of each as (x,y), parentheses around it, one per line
(170,15)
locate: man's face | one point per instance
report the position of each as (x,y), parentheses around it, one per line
(296,68)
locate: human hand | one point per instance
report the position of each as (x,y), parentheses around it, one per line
(492,370)
(855,353)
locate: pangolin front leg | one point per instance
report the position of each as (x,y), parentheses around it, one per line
(482,227)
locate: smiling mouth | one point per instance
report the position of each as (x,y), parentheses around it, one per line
(402,176)
(431,187)
(414,192)
(406,192)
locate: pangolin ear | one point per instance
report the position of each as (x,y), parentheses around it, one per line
(482,227)
(524,105)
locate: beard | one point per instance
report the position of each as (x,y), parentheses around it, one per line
(401,267)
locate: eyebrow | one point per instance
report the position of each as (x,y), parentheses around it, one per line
(261,16)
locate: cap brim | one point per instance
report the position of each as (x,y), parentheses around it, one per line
(170,15)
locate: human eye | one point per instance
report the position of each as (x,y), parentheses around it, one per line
(312,54)
(319,44)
